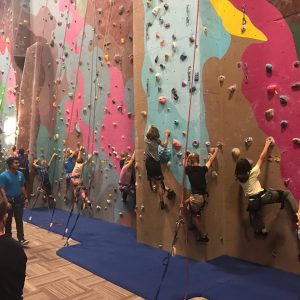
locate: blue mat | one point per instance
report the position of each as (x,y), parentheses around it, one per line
(111,251)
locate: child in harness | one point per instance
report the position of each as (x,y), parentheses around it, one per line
(79,190)
(43,172)
(196,202)
(127,178)
(247,176)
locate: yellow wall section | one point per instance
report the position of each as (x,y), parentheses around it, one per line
(81,7)
(232,20)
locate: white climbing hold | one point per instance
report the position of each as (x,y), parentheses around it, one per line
(235,152)
(155,11)
(269,113)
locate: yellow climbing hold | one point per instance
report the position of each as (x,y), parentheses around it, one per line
(232,21)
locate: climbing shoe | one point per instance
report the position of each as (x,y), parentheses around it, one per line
(261,232)
(171,195)
(203,239)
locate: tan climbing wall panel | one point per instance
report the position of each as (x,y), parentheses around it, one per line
(77,88)
(242,97)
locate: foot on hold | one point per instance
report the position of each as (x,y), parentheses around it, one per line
(162,205)
(203,238)
(23,242)
(261,232)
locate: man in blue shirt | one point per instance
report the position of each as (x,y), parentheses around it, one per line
(12,261)
(12,188)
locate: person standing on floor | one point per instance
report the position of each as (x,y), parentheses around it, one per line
(12,261)
(12,188)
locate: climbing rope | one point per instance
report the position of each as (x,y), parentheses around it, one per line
(180,221)
(15,34)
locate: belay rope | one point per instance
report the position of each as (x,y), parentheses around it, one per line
(180,221)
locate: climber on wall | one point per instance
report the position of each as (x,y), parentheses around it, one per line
(196,202)
(79,190)
(69,164)
(127,178)
(247,176)
(152,162)
(43,172)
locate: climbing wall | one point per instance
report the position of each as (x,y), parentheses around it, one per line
(77,89)
(245,88)
(7,77)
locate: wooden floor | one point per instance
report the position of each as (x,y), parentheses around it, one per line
(52,277)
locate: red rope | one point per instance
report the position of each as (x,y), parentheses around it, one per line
(186,147)
(190,106)
(76,80)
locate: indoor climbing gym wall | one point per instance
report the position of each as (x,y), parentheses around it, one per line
(77,90)
(219,73)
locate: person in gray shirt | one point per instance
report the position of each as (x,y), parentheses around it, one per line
(152,162)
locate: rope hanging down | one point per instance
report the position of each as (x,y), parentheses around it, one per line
(179,221)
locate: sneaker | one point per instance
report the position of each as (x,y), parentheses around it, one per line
(162,205)
(203,239)
(23,242)
(298,232)
(262,232)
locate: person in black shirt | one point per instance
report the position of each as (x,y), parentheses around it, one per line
(196,201)
(12,261)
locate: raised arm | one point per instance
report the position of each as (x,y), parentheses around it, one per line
(90,156)
(212,157)
(36,163)
(130,163)
(51,159)
(164,144)
(269,141)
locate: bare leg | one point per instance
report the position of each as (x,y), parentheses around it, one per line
(199,225)
(160,191)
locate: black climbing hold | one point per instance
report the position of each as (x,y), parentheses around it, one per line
(284,124)
(283,100)
(174,94)
(166,6)
(193,89)
(156,59)
(269,68)
(183,57)
(162,66)
(197,76)
(296,86)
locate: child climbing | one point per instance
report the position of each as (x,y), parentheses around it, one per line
(69,164)
(127,178)
(196,202)
(76,178)
(43,172)
(123,157)
(152,161)
(256,195)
